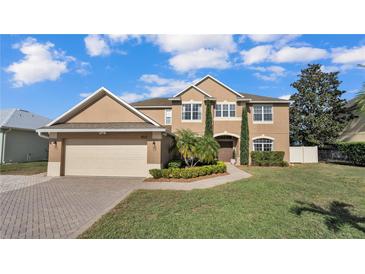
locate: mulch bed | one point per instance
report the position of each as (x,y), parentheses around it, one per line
(181,180)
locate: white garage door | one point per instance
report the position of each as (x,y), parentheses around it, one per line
(106,157)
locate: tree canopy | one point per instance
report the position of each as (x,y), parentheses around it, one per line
(317,113)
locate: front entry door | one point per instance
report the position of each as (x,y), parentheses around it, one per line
(225,150)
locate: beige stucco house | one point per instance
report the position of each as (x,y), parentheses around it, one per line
(105,136)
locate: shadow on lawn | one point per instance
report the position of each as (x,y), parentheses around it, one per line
(337,214)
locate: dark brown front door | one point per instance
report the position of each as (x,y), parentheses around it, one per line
(225,150)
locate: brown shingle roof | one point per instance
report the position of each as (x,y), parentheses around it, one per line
(254,97)
(153,102)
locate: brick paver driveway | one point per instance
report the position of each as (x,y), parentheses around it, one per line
(61,207)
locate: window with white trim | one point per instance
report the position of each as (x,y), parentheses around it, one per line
(263,144)
(262,113)
(168,116)
(192,112)
(225,110)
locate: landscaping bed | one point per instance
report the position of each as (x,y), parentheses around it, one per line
(182,180)
(186,173)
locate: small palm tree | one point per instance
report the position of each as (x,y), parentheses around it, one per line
(186,141)
(207,149)
(360,99)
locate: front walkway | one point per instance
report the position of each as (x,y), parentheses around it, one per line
(63,207)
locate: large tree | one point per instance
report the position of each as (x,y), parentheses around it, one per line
(317,113)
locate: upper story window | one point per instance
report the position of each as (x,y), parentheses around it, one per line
(168,116)
(225,110)
(262,144)
(192,111)
(262,113)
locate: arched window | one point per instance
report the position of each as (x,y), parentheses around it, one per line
(263,144)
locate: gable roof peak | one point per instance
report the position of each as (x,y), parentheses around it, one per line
(220,83)
(100,90)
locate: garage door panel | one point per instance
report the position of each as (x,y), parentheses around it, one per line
(106,157)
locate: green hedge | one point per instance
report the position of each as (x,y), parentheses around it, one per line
(190,172)
(268,158)
(355,151)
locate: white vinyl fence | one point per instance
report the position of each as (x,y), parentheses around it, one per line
(304,154)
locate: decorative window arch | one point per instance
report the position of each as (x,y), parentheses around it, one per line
(263,144)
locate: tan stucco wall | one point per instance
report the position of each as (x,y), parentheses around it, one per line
(157,115)
(56,152)
(217,91)
(190,95)
(279,129)
(104,110)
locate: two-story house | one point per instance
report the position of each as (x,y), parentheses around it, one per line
(104,135)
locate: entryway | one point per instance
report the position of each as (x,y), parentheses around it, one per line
(227,144)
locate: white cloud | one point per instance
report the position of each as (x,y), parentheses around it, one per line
(122,38)
(286,54)
(264,38)
(186,43)
(154,79)
(193,52)
(96,45)
(271,73)
(278,40)
(256,55)
(85,94)
(302,54)
(160,87)
(131,97)
(353,56)
(41,62)
(83,68)
(199,59)
(285,97)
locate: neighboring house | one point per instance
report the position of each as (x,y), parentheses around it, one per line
(104,135)
(355,129)
(19,141)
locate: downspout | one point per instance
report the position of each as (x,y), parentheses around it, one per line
(3,145)
(42,136)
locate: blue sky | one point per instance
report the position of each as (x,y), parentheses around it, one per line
(48,74)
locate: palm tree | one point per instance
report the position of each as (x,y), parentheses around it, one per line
(186,141)
(360,99)
(207,149)
(195,149)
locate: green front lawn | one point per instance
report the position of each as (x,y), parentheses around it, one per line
(307,201)
(23,168)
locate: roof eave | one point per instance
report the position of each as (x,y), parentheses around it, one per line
(46,130)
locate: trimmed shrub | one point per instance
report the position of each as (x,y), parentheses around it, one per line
(268,158)
(189,172)
(355,151)
(156,173)
(175,173)
(174,164)
(166,172)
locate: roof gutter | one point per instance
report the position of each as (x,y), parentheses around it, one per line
(41,135)
(44,130)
